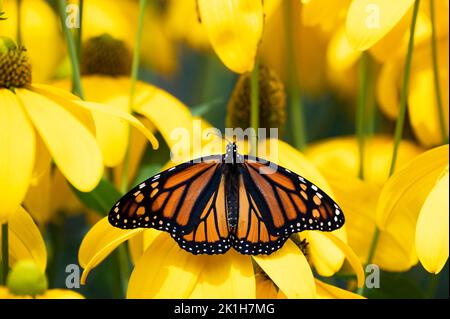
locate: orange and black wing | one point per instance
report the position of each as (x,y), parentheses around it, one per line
(287,203)
(185,201)
(252,235)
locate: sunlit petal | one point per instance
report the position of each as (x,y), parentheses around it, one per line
(289,270)
(25,240)
(432,227)
(226,276)
(99,242)
(234,28)
(368,21)
(164,271)
(326,291)
(72,146)
(17,145)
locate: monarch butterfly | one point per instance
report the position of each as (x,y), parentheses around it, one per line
(213,203)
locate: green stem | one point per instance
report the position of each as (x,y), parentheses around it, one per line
(80,30)
(134,75)
(5,253)
(400,121)
(437,86)
(19,22)
(295,103)
(254,106)
(76,76)
(360,111)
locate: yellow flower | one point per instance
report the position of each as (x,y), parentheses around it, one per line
(118,18)
(40,34)
(25,240)
(163,270)
(234,29)
(39,123)
(418,194)
(338,160)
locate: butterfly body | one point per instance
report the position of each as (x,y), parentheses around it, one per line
(211,204)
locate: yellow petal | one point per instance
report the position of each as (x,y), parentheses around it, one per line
(17,144)
(38,197)
(326,257)
(226,276)
(432,227)
(323,12)
(72,146)
(99,242)
(290,158)
(112,133)
(165,111)
(341,154)
(405,191)
(234,28)
(350,255)
(60,294)
(326,291)
(165,271)
(25,240)
(387,90)
(340,54)
(289,270)
(422,105)
(139,243)
(265,288)
(368,21)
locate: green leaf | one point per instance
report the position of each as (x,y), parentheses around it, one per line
(101,199)
(204,108)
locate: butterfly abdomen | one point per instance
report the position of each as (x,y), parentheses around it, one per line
(231,173)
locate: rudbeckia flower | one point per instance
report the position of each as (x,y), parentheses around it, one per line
(418,193)
(106,65)
(118,18)
(40,31)
(338,160)
(40,123)
(163,270)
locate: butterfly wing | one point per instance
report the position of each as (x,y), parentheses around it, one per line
(252,235)
(185,201)
(284,203)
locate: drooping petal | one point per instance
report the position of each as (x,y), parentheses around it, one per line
(99,242)
(112,133)
(289,270)
(165,111)
(350,255)
(229,275)
(234,28)
(17,144)
(340,54)
(405,191)
(73,148)
(326,257)
(25,240)
(422,103)
(387,90)
(432,227)
(368,21)
(165,271)
(326,291)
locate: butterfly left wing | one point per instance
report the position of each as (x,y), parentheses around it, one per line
(287,202)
